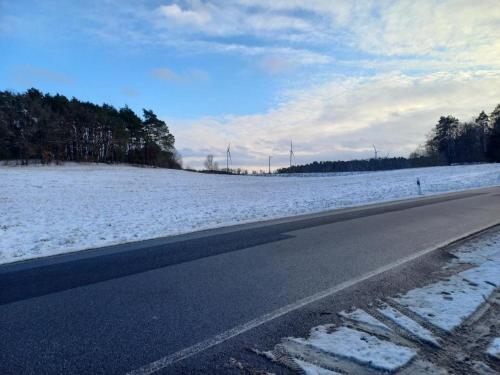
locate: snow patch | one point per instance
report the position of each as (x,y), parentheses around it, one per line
(360,347)
(478,251)
(488,272)
(446,304)
(361,316)
(408,324)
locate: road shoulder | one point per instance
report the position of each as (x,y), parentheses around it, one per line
(311,340)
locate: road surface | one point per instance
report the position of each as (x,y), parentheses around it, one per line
(150,306)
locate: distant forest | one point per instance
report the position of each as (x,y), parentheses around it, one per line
(53,128)
(450,142)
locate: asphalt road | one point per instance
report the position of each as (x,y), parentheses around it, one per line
(139,306)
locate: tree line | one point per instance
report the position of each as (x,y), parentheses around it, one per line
(453,141)
(53,128)
(361,165)
(450,142)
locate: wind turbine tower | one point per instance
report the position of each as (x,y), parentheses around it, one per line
(228,157)
(292,155)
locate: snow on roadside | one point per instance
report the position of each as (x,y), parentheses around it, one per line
(446,304)
(362,317)
(55,209)
(478,251)
(488,273)
(364,337)
(408,324)
(360,347)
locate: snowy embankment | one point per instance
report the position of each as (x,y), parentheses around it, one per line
(57,209)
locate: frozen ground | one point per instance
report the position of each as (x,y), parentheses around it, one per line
(51,210)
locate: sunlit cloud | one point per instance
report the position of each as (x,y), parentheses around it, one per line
(342,119)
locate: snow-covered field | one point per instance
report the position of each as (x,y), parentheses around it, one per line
(56,209)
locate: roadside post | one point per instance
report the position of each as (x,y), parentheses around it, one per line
(418,186)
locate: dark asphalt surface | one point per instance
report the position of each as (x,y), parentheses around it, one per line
(112,310)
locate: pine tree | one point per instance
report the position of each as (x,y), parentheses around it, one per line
(494,138)
(482,122)
(51,127)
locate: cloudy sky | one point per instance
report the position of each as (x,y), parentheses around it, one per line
(335,76)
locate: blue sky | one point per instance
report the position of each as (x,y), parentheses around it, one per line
(56,49)
(334,76)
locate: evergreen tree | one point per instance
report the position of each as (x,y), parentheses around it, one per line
(443,140)
(47,127)
(482,122)
(157,136)
(494,139)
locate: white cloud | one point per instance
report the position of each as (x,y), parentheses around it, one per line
(342,118)
(197,17)
(275,60)
(226,19)
(432,34)
(463,31)
(429,27)
(398,27)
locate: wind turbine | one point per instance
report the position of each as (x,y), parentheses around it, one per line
(376,152)
(228,156)
(292,155)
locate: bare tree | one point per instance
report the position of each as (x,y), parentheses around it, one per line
(210,164)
